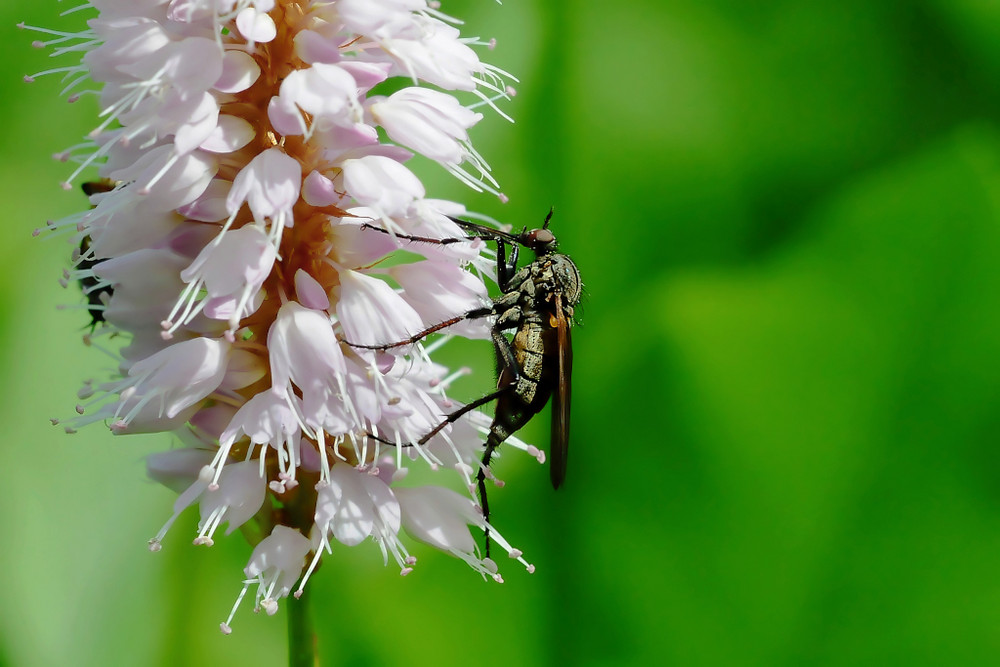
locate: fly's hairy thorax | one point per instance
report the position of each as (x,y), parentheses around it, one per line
(556,274)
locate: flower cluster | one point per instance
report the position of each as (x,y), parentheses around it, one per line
(246,147)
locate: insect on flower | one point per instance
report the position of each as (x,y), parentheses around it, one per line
(536,303)
(92,287)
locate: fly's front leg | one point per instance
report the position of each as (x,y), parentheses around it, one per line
(520,288)
(505,269)
(411,237)
(417,337)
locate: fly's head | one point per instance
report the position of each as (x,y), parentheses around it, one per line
(541,241)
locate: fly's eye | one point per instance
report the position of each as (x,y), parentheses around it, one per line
(541,237)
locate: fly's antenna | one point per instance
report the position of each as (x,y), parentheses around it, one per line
(552,210)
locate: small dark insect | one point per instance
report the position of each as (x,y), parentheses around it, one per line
(92,288)
(537,303)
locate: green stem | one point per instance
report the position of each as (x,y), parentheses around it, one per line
(301,637)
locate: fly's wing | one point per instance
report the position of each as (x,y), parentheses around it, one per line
(561,398)
(485,232)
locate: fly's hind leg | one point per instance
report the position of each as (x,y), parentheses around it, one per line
(491,444)
(509,376)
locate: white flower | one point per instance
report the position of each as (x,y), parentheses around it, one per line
(305,351)
(268,420)
(327,92)
(275,566)
(439,517)
(236,497)
(382,184)
(418,280)
(230,270)
(244,150)
(434,124)
(270,184)
(171,380)
(371,312)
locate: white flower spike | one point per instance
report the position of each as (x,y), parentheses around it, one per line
(241,147)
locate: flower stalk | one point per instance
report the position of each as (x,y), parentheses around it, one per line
(301,634)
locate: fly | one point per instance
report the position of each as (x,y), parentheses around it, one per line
(536,364)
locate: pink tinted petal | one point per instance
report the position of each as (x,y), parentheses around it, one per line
(363,393)
(230,134)
(211,420)
(438,56)
(367,16)
(183,373)
(285,116)
(269,184)
(385,503)
(354,516)
(371,312)
(355,247)
(313,47)
(303,349)
(211,205)
(265,418)
(422,283)
(284,550)
(241,491)
(327,411)
(439,517)
(244,369)
(323,90)
(256,26)
(382,183)
(176,469)
(318,190)
(241,258)
(366,75)
(178,180)
(192,65)
(239,72)
(310,293)
(145,284)
(199,126)
(428,121)
(279,558)
(188,11)
(125,40)
(357,138)
(228,308)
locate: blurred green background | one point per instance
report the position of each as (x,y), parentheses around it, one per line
(787,375)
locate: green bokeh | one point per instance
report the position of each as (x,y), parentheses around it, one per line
(787,374)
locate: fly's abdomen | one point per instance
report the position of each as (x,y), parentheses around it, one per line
(534,354)
(529,350)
